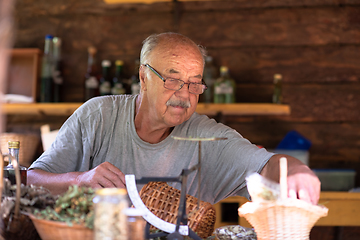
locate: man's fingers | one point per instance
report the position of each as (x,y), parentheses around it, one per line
(308,190)
(292,194)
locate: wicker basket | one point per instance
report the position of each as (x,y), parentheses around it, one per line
(282,219)
(28,146)
(163,201)
(53,230)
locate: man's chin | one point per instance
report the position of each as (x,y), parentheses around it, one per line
(177,119)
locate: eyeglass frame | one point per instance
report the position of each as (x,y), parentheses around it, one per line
(182,85)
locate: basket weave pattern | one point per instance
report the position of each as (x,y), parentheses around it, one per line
(280,220)
(53,230)
(28,146)
(163,201)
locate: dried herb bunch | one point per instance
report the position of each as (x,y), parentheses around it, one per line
(15,224)
(74,207)
(31,198)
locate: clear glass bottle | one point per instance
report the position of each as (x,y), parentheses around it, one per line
(117,81)
(57,69)
(9,171)
(105,82)
(136,224)
(46,88)
(91,76)
(224,87)
(209,77)
(277,95)
(110,222)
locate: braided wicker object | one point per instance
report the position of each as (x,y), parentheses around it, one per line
(163,201)
(284,219)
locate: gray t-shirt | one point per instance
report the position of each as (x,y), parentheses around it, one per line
(103,129)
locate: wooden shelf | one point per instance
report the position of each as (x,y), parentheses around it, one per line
(51,109)
(243,109)
(146,1)
(63,109)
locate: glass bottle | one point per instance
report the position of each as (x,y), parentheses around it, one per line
(57,69)
(136,224)
(105,82)
(9,171)
(110,221)
(135,81)
(277,95)
(224,87)
(117,81)
(91,76)
(46,89)
(209,78)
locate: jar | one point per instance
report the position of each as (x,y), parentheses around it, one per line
(110,222)
(136,224)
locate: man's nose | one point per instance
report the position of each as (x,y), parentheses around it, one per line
(184,91)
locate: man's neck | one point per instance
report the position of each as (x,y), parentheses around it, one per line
(145,129)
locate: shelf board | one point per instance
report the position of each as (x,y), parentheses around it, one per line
(244,109)
(50,109)
(66,109)
(147,1)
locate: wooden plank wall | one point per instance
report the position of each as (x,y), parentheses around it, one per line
(315,44)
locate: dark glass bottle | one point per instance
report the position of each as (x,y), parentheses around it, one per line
(135,81)
(117,81)
(46,89)
(209,77)
(277,95)
(105,82)
(57,69)
(224,87)
(9,171)
(91,76)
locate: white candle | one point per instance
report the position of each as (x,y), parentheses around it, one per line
(283,178)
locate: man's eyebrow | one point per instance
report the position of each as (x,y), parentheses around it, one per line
(175,71)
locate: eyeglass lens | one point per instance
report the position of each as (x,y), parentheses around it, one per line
(176,84)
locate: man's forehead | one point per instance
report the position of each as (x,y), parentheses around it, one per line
(177,50)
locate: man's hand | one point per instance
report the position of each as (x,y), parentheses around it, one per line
(302,182)
(104,175)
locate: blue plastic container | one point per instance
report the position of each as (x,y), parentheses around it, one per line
(294,141)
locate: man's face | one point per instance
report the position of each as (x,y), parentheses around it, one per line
(184,63)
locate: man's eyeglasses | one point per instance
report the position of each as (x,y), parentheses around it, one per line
(177,84)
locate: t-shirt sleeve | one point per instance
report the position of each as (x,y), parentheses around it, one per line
(72,149)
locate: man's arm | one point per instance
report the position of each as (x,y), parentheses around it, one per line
(302,181)
(104,175)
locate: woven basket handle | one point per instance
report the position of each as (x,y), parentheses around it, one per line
(17,179)
(283,178)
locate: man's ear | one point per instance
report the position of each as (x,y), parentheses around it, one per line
(142,77)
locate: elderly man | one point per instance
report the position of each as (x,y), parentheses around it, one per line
(110,136)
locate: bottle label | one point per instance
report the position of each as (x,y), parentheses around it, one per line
(135,88)
(105,88)
(57,77)
(91,82)
(223,88)
(118,89)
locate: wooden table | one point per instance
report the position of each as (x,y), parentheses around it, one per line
(344,210)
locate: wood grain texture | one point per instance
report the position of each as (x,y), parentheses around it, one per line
(314,44)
